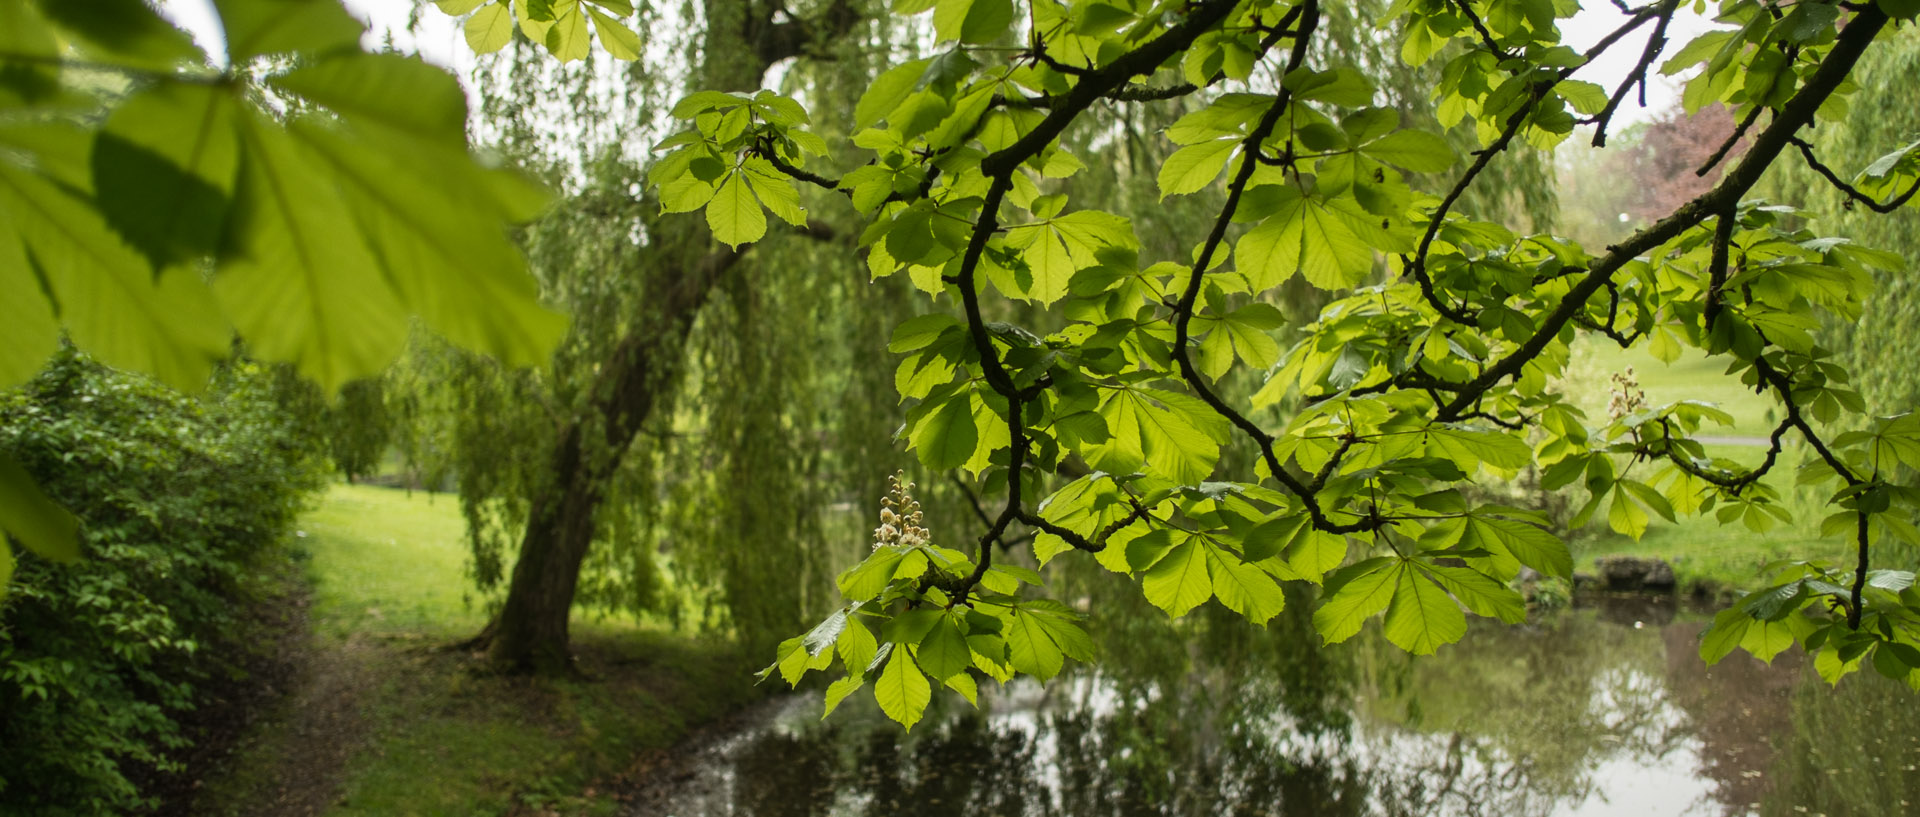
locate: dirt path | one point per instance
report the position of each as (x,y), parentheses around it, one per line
(276,743)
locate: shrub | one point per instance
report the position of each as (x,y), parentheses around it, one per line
(181,499)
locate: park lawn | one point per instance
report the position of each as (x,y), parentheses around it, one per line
(401,725)
(1704,553)
(1693,377)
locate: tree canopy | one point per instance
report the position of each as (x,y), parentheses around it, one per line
(1099,424)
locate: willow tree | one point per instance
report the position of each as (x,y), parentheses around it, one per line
(1842,175)
(698,405)
(1430,371)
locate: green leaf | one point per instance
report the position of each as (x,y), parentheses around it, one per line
(887,92)
(567,38)
(109,301)
(1354,594)
(974,22)
(127,31)
(1529,545)
(1243,588)
(619,40)
(839,690)
(489,29)
(1031,649)
(37,521)
(301,285)
(1310,236)
(1041,635)
(1423,618)
(856,644)
(903,692)
(734,214)
(1178,582)
(1729,627)
(402,93)
(164,167)
(1468,448)
(1625,515)
(944,652)
(1418,151)
(28,332)
(869,578)
(437,224)
(946,439)
(1480,592)
(1193,167)
(258,27)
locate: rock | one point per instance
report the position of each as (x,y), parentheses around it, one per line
(1631,574)
(1659,577)
(1528,575)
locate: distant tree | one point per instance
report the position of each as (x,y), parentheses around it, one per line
(1677,158)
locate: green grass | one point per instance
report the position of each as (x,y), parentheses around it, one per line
(386,561)
(1702,550)
(428,731)
(1693,377)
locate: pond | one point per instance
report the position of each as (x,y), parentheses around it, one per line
(1604,709)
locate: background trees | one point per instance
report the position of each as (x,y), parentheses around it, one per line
(1418,376)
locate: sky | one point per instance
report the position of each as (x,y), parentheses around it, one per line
(439,41)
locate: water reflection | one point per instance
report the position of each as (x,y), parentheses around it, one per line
(1598,711)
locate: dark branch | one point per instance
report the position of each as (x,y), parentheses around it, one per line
(1853,193)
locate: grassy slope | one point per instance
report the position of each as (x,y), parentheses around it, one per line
(1701,548)
(429,734)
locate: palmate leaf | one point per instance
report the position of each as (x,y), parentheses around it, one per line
(947,438)
(734,214)
(1329,242)
(943,651)
(1193,167)
(1423,617)
(620,41)
(435,222)
(1178,581)
(1243,588)
(1354,594)
(301,284)
(1041,635)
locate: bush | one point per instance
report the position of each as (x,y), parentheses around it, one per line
(181,500)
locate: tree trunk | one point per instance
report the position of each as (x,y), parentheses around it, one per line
(530,632)
(529,635)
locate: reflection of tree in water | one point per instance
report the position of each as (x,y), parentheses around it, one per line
(1210,717)
(1854,751)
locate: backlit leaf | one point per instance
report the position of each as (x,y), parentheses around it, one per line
(901,690)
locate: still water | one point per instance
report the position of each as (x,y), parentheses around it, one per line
(1604,709)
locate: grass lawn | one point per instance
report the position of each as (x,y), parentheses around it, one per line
(386,721)
(1701,549)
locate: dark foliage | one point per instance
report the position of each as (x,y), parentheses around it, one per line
(182,499)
